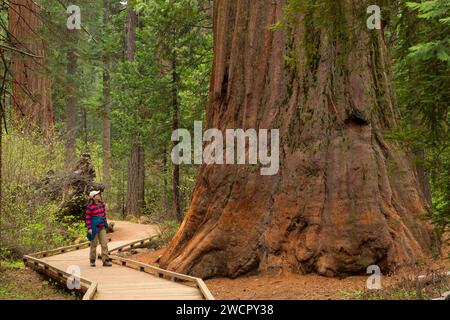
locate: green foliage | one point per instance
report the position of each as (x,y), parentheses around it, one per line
(141,90)
(437,13)
(170,33)
(28,220)
(422,72)
(11,264)
(168,229)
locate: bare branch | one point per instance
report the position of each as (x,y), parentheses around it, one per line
(20,51)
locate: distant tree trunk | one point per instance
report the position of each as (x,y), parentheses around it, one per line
(166,182)
(175,126)
(3,82)
(85,129)
(106,110)
(32,105)
(124,214)
(141,189)
(136,174)
(344,198)
(135,186)
(106,127)
(131,34)
(1,159)
(70,116)
(132,207)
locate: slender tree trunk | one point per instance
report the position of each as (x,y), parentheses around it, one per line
(85,129)
(131,34)
(175,126)
(166,183)
(71,106)
(136,174)
(106,110)
(344,198)
(132,207)
(124,214)
(3,82)
(32,105)
(141,180)
(1,163)
(106,127)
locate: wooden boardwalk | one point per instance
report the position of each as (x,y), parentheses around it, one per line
(125,280)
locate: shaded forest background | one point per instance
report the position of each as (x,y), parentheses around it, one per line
(134,72)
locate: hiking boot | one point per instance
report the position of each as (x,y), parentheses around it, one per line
(107,264)
(92,263)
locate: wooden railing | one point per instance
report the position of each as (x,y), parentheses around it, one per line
(34,260)
(423,280)
(134,244)
(88,287)
(162,273)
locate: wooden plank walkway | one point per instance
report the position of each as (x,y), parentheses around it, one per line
(125,280)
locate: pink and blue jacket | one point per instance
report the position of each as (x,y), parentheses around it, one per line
(96,211)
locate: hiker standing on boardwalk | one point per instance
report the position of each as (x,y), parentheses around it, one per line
(96,224)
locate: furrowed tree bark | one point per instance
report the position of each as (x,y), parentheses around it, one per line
(32,106)
(344,197)
(136,168)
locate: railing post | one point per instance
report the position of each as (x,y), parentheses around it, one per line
(419,289)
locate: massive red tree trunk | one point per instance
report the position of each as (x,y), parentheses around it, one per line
(31,89)
(344,198)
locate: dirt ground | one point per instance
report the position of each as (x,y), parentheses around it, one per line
(124,230)
(297,286)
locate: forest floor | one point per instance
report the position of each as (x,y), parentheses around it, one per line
(20,283)
(399,286)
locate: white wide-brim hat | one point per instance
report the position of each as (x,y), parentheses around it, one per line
(93,194)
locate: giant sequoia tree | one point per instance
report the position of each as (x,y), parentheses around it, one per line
(31,89)
(345,197)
